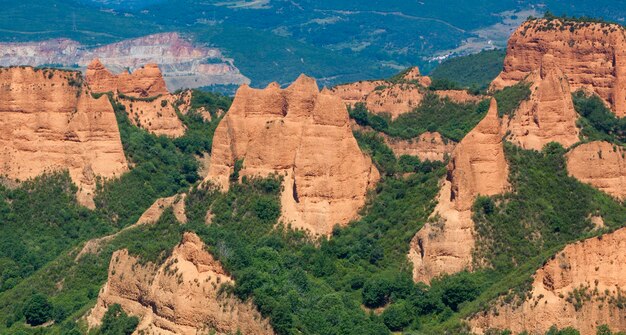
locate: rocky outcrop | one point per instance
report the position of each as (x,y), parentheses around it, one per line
(477,167)
(381,96)
(580,287)
(49,121)
(180,296)
(549,114)
(459,96)
(144,82)
(396,97)
(184,65)
(428,146)
(143,93)
(591,55)
(157,115)
(600,164)
(304,135)
(176,202)
(414,74)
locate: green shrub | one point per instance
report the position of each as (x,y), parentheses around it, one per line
(38,310)
(597,122)
(397,316)
(476,70)
(510,98)
(117,322)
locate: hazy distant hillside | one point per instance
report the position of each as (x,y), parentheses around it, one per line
(336,41)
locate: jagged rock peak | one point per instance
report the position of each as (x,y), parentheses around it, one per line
(146,81)
(305,135)
(96,64)
(179,296)
(548,115)
(477,167)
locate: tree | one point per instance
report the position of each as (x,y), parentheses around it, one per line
(458,289)
(397,316)
(376,292)
(117,322)
(38,310)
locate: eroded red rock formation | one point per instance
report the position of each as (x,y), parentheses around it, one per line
(143,94)
(49,121)
(180,296)
(591,55)
(592,268)
(477,167)
(305,135)
(549,114)
(600,164)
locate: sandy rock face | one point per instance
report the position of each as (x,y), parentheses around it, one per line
(477,167)
(179,296)
(600,164)
(156,115)
(593,267)
(143,93)
(591,55)
(428,146)
(305,135)
(382,96)
(549,114)
(414,74)
(50,122)
(143,82)
(459,96)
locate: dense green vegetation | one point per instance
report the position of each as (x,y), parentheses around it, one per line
(473,71)
(547,209)
(199,134)
(597,122)
(117,322)
(510,98)
(452,120)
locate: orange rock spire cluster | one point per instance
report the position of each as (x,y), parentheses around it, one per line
(549,115)
(304,135)
(144,95)
(591,55)
(143,82)
(50,122)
